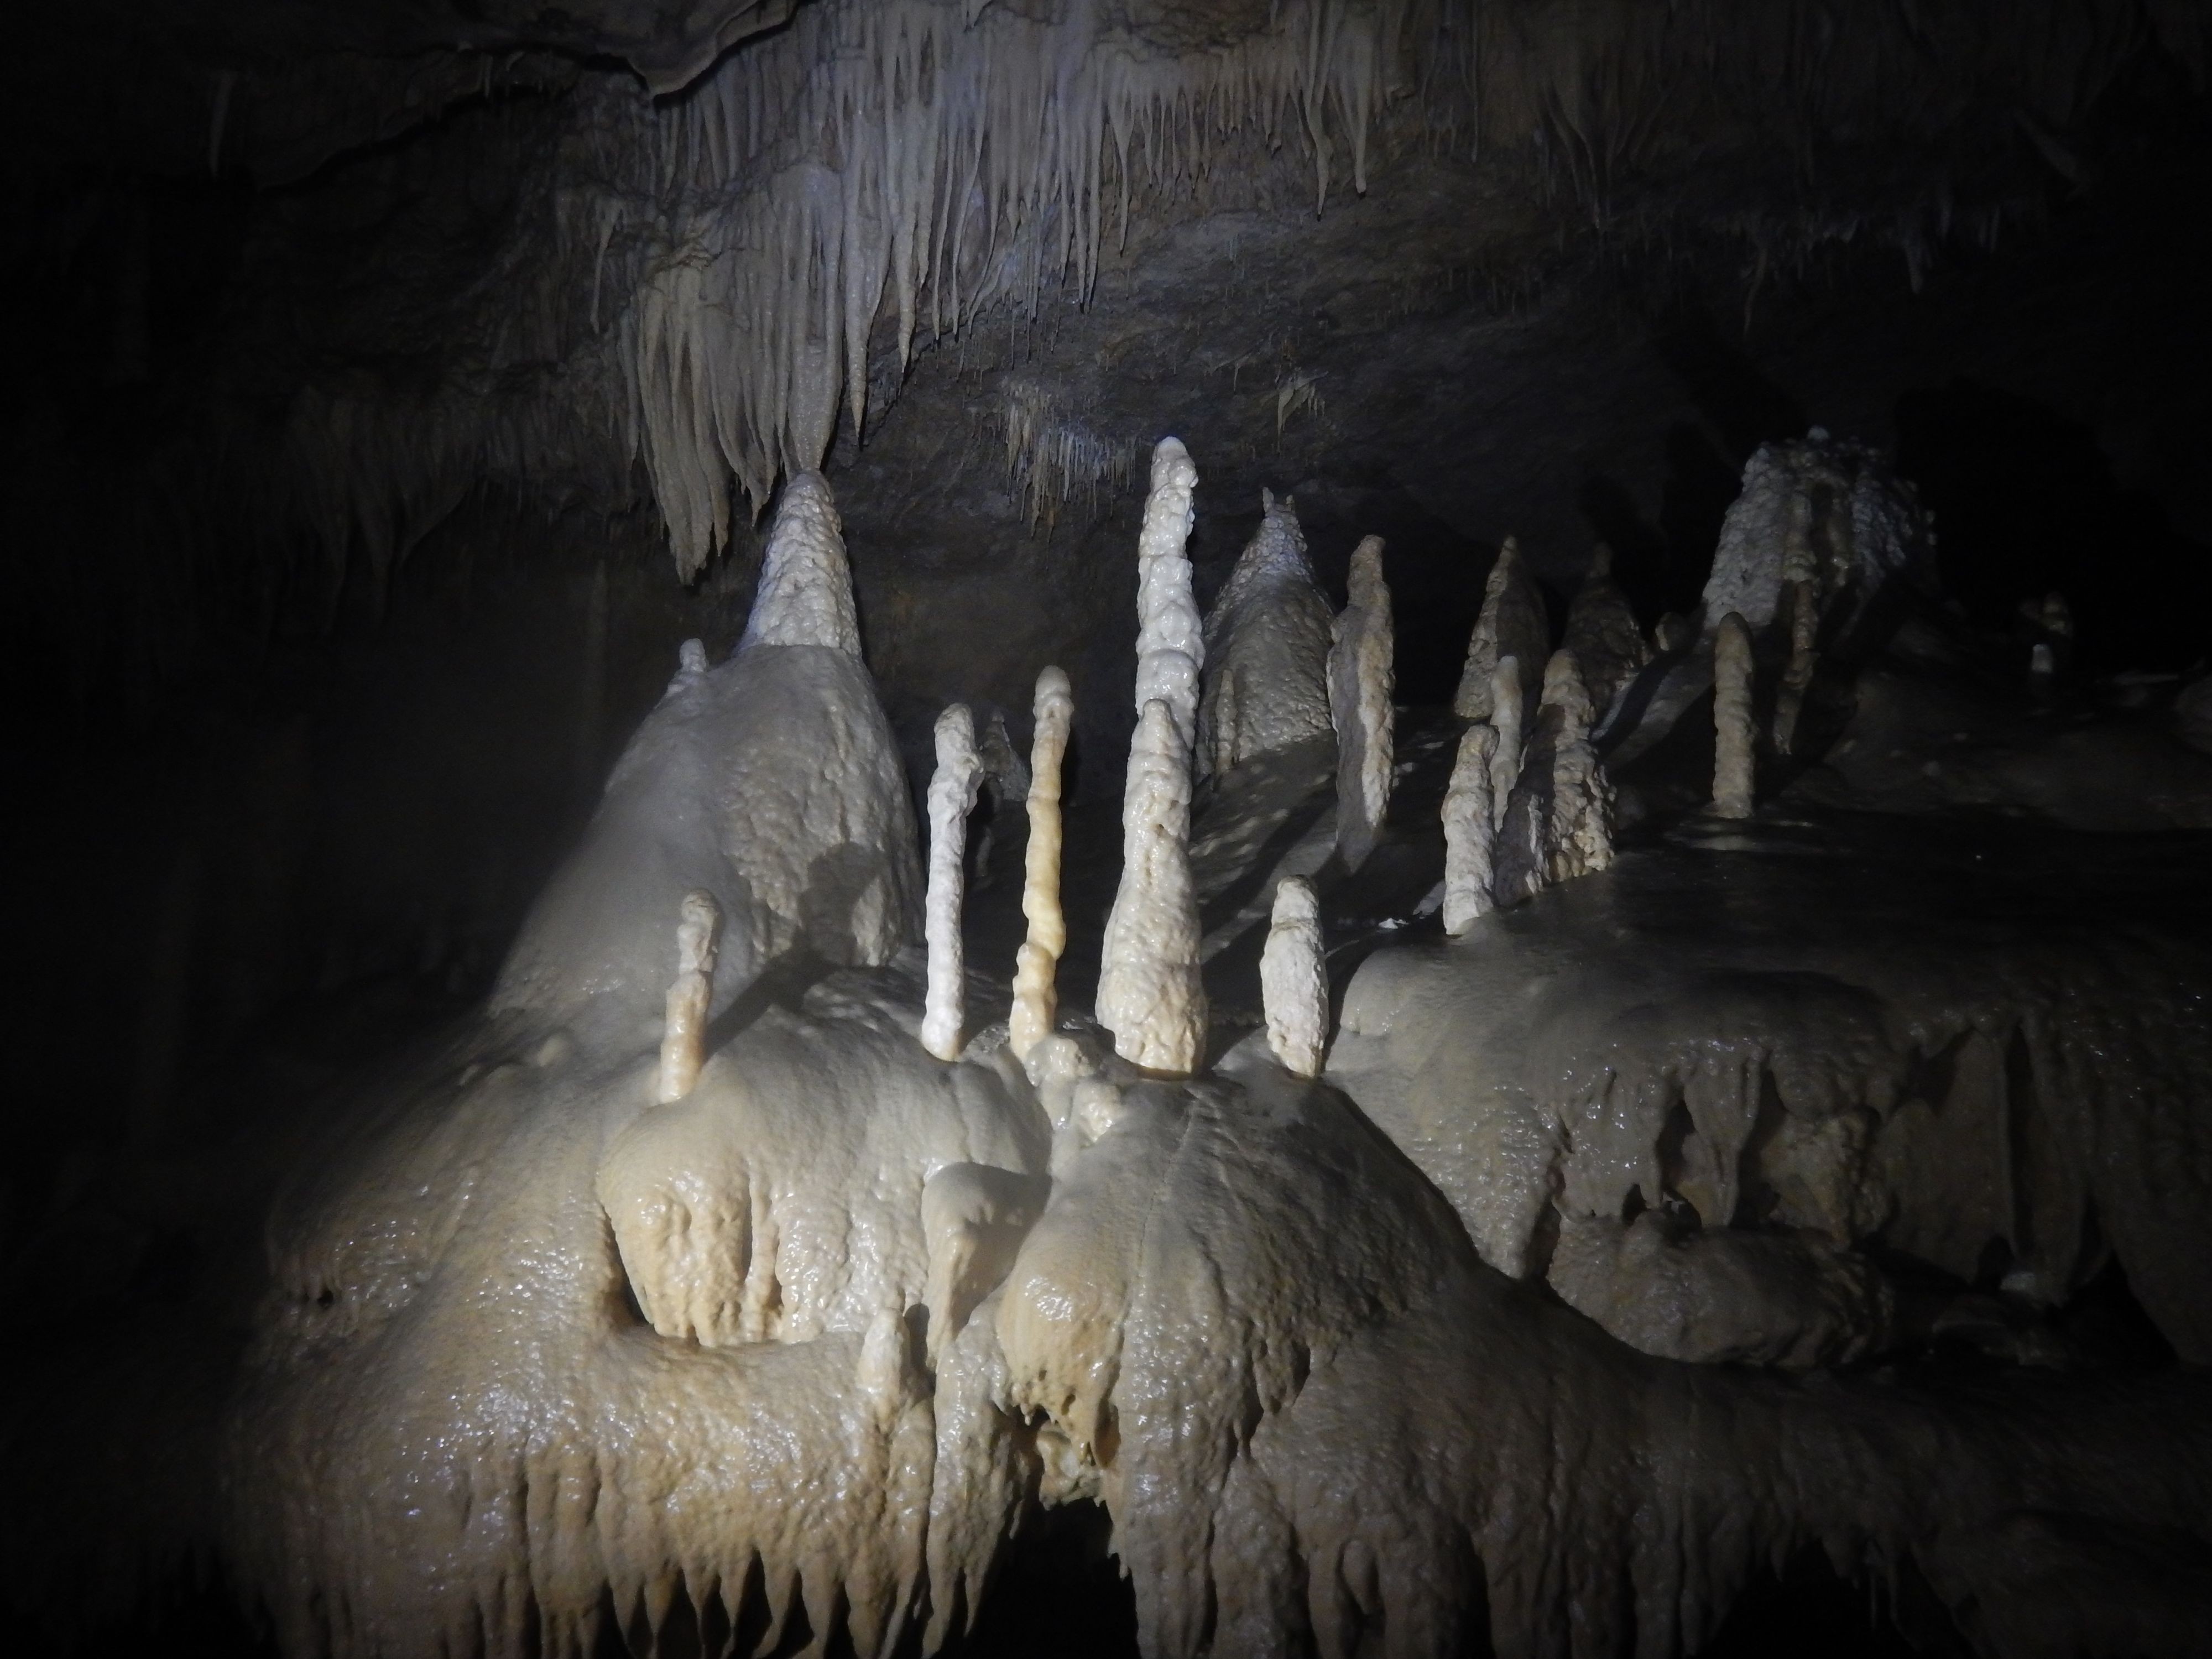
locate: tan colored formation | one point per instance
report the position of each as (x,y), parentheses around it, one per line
(951,797)
(1035,1000)
(1513,622)
(1470,831)
(1361,681)
(1149,995)
(1735,734)
(690,997)
(1294,980)
(1507,707)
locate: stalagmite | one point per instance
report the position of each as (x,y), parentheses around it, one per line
(806,591)
(1035,1002)
(1578,825)
(1603,634)
(951,798)
(1734,734)
(1267,649)
(1170,639)
(684,1037)
(1150,994)
(1508,709)
(1803,605)
(1470,831)
(1513,622)
(1294,980)
(1361,677)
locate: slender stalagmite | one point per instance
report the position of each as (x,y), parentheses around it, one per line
(1733,732)
(1470,831)
(1294,980)
(951,797)
(1150,994)
(1361,679)
(1578,827)
(1037,963)
(1513,622)
(1507,710)
(684,1037)
(1170,637)
(1803,604)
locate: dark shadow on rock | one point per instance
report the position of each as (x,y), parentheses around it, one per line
(1745,407)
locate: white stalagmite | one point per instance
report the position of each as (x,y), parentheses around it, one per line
(684,1034)
(1267,649)
(1734,734)
(1603,634)
(1294,980)
(1035,1001)
(1509,708)
(951,798)
(806,591)
(1171,638)
(1513,622)
(1361,679)
(1578,827)
(1150,994)
(1470,831)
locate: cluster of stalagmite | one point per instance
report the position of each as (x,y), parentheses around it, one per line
(1513,622)
(1035,965)
(1734,735)
(1294,980)
(684,1034)
(1362,677)
(951,797)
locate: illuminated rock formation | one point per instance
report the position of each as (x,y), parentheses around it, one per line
(1736,736)
(1150,994)
(1035,1002)
(684,1035)
(1267,649)
(1508,706)
(1361,679)
(1294,980)
(951,797)
(1470,831)
(1513,622)
(1170,640)
(1601,632)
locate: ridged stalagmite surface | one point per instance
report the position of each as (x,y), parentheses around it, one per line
(1267,649)
(1601,632)
(952,789)
(1735,736)
(1150,994)
(1170,640)
(1507,710)
(806,591)
(1294,980)
(1513,622)
(1362,678)
(1469,831)
(683,1033)
(1035,1002)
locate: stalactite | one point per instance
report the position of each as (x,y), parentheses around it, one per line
(683,1033)
(1034,999)
(951,798)
(1733,732)
(1294,980)
(1361,679)
(1470,831)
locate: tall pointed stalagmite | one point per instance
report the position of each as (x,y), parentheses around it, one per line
(1267,649)
(1734,737)
(1513,622)
(1578,827)
(806,590)
(1150,994)
(1294,980)
(1508,707)
(1361,679)
(1035,1002)
(1171,638)
(684,1034)
(1470,831)
(951,797)
(1601,632)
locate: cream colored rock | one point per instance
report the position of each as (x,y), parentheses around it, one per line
(1470,831)
(952,789)
(1513,622)
(1603,634)
(1036,964)
(1267,649)
(1508,706)
(1578,827)
(806,590)
(1735,734)
(1171,638)
(1294,980)
(1361,679)
(684,1034)
(1150,994)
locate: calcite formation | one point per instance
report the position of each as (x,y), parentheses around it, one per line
(1294,980)
(1601,632)
(683,1033)
(1150,994)
(1508,707)
(1362,677)
(952,789)
(1035,1002)
(1170,640)
(1470,831)
(1735,734)
(1267,649)
(1514,622)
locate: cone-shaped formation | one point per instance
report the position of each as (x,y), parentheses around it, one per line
(1294,980)
(1361,679)
(806,592)
(1035,999)
(684,1035)
(951,798)
(1267,649)
(1578,827)
(1170,640)
(1513,622)
(1470,831)
(1734,735)
(1150,994)
(1603,634)
(1507,707)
